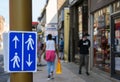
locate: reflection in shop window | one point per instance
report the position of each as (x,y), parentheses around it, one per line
(117,35)
(102,39)
(116,6)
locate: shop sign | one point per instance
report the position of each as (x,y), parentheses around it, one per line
(101,21)
(51,29)
(117,63)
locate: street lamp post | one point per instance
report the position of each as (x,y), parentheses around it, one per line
(21,20)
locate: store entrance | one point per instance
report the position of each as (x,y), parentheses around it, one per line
(115,45)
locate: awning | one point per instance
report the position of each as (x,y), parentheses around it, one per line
(34,23)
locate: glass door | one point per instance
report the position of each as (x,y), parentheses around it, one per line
(115,45)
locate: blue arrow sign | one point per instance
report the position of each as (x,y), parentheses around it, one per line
(15,55)
(22,51)
(29,51)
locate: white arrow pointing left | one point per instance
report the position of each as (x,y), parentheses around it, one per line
(29,62)
(15,39)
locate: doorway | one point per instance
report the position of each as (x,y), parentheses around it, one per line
(115,45)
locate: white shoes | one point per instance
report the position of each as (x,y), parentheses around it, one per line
(48,78)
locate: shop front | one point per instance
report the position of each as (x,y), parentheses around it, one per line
(101,38)
(78,25)
(106,38)
(115,45)
(115,41)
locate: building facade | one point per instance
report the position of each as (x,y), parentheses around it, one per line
(78,25)
(60,7)
(105,24)
(63,24)
(51,20)
(101,19)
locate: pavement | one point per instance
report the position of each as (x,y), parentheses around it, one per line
(69,74)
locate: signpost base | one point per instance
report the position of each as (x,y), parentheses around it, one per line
(21,77)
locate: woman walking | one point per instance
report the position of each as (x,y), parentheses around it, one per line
(50,52)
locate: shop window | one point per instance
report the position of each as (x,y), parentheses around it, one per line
(102,39)
(117,45)
(116,6)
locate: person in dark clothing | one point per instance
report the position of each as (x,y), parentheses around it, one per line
(61,49)
(83,46)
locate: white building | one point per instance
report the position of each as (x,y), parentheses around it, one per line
(51,19)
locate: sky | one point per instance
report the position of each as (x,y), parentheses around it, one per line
(37,6)
(4,10)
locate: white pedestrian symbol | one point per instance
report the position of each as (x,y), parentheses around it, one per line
(16,60)
(30,43)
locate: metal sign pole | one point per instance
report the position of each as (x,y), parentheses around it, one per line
(21,20)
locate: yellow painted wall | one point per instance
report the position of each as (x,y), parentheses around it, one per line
(66,33)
